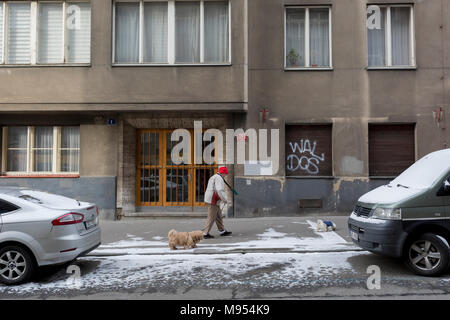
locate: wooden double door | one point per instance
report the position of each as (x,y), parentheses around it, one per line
(162,183)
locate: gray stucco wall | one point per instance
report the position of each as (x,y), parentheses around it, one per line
(349,97)
(98,190)
(101,86)
(279,196)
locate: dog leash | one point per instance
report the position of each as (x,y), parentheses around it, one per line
(234,191)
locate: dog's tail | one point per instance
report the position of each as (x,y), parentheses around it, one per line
(172,232)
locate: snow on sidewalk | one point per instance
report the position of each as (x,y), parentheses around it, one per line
(271,239)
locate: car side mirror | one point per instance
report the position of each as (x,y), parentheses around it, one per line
(444,190)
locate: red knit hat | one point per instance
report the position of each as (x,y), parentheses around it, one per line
(223,170)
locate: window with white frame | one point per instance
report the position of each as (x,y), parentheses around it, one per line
(41,149)
(38,32)
(307,37)
(171,32)
(390,36)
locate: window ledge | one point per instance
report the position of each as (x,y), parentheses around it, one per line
(391,68)
(64,65)
(28,176)
(309,69)
(171,65)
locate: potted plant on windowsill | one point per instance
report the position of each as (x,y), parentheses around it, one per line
(292,58)
(314,64)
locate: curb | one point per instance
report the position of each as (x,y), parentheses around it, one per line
(232,251)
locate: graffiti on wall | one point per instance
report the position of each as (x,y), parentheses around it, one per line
(302,156)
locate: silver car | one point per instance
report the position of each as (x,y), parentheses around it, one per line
(39,229)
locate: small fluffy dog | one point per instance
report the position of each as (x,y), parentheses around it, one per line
(325,225)
(185,239)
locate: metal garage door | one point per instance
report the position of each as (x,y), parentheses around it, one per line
(308,150)
(391,148)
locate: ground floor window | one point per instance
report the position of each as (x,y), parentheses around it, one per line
(162,183)
(308,150)
(391,148)
(40,149)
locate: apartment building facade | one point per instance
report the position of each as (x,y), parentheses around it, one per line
(358,89)
(90,92)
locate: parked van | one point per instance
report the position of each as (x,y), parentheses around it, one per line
(409,217)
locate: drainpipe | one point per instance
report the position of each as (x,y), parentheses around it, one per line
(443,77)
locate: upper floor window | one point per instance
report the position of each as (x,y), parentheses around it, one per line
(390,36)
(308,37)
(41,149)
(45,32)
(181,32)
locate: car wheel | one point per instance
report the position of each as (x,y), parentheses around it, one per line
(16,265)
(428,255)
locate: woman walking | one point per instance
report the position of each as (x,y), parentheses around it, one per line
(215,191)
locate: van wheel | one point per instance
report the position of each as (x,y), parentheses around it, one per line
(428,255)
(16,265)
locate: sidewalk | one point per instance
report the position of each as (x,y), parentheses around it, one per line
(271,234)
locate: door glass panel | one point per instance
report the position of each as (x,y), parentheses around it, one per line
(149,149)
(149,185)
(202,176)
(209,154)
(177,185)
(150,170)
(154,148)
(169,146)
(181,185)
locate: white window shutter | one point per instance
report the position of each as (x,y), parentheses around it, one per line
(19,33)
(78,24)
(50,33)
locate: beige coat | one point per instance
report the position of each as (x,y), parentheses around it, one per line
(216,183)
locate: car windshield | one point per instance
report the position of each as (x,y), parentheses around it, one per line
(424,173)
